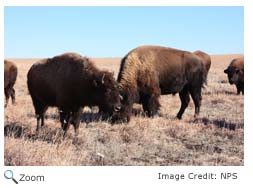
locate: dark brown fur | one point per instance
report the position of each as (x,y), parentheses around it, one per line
(235,73)
(10,76)
(149,71)
(206,59)
(70,82)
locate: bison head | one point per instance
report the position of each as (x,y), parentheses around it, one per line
(108,93)
(233,74)
(123,116)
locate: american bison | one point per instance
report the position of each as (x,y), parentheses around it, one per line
(206,59)
(235,73)
(10,76)
(70,82)
(146,72)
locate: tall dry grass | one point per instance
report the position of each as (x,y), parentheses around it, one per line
(214,138)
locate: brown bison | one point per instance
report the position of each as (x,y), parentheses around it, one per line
(70,82)
(146,72)
(235,73)
(10,76)
(206,59)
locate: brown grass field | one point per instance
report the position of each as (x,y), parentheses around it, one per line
(214,138)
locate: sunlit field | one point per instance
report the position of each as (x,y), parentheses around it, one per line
(214,138)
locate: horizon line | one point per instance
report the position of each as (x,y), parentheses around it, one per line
(108,57)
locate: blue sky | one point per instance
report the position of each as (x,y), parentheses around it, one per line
(114,31)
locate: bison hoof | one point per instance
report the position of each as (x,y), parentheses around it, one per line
(151,114)
(179,116)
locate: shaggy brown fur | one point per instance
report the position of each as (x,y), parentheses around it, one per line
(235,73)
(10,76)
(206,59)
(148,71)
(70,82)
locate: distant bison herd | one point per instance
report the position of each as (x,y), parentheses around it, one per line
(71,81)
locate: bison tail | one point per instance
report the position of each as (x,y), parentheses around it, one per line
(204,76)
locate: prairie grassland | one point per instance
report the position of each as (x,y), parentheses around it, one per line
(214,138)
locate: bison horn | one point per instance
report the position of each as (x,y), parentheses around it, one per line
(117,108)
(121,98)
(103,79)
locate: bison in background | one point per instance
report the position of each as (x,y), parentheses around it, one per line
(10,76)
(146,72)
(235,73)
(70,82)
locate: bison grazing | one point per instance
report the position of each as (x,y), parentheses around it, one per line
(235,72)
(10,76)
(148,71)
(70,82)
(206,59)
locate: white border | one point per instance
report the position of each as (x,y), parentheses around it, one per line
(124,3)
(142,176)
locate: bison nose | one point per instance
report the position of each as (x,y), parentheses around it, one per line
(117,108)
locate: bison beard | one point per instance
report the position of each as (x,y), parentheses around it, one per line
(10,76)
(70,82)
(149,71)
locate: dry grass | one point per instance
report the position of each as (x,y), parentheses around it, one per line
(215,138)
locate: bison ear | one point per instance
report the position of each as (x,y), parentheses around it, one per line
(226,71)
(99,81)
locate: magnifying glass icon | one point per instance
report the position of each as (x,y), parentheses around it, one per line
(8,174)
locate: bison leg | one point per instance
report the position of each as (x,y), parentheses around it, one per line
(7,96)
(66,122)
(64,116)
(239,88)
(76,120)
(185,99)
(40,114)
(39,117)
(149,97)
(196,97)
(151,105)
(13,95)
(38,122)
(40,110)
